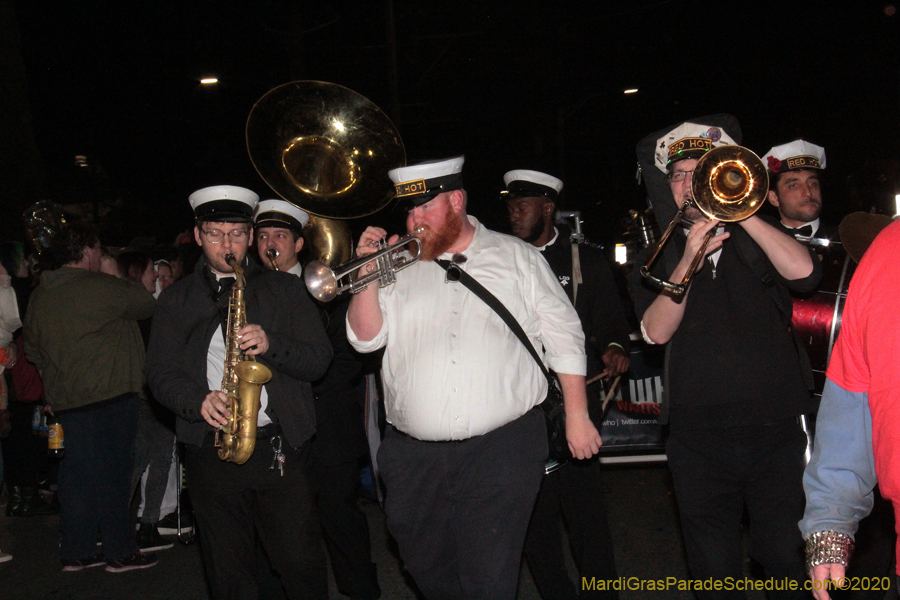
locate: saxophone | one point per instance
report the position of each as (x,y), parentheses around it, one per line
(242,380)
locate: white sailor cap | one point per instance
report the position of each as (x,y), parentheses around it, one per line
(417,184)
(280,213)
(523,183)
(795,156)
(688,140)
(224,204)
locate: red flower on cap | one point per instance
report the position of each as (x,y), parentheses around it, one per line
(774,164)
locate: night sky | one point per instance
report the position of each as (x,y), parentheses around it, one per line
(510,85)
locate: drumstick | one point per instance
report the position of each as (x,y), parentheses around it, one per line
(610,392)
(597,377)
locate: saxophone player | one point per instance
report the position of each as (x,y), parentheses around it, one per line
(267,500)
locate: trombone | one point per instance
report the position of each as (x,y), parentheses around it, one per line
(729,184)
(324,283)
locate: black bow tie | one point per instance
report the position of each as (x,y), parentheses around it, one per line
(805,231)
(225,283)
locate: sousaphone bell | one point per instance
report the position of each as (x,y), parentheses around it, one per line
(324,148)
(729,184)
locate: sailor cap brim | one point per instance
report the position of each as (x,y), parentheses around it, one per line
(223,204)
(279,213)
(417,184)
(526,184)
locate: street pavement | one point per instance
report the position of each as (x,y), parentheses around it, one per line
(643,519)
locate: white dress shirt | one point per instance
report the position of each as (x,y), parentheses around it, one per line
(452,368)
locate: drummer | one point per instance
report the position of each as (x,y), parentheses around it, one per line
(795,189)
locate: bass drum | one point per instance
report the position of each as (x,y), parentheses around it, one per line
(817,316)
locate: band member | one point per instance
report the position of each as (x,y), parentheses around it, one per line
(794,186)
(734,381)
(340,440)
(279,225)
(575,489)
(268,499)
(856,428)
(463,457)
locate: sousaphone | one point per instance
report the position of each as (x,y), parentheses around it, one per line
(327,150)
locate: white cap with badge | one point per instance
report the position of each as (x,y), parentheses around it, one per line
(417,184)
(795,156)
(688,140)
(280,213)
(523,183)
(223,204)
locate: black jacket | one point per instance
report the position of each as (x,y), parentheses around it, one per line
(598,304)
(189,313)
(340,436)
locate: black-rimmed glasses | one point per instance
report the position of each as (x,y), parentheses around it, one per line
(237,236)
(679,176)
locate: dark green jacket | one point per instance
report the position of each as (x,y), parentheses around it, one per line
(81,332)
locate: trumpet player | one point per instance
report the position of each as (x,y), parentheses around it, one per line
(267,500)
(734,384)
(340,440)
(464,452)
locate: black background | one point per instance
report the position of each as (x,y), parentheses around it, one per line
(532,84)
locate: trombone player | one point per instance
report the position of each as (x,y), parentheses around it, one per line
(734,383)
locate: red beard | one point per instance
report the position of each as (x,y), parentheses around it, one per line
(435,243)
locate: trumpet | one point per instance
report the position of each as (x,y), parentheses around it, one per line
(729,184)
(272,254)
(324,283)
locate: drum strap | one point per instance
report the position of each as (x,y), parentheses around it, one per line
(753,256)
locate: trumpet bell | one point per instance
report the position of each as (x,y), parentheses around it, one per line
(324,148)
(729,183)
(320,281)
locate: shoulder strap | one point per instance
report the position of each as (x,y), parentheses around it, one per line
(498,307)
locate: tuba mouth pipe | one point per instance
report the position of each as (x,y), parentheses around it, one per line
(325,284)
(729,184)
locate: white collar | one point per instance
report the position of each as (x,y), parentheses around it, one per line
(296,270)
(550,243)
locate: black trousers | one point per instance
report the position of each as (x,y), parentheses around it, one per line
(237,507)
(459,510)
(346,530)
(95,478)
(575,491)
(719,472)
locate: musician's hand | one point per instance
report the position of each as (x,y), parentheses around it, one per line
(820,576)
(584,439)
(616,361)
(215,408)
(695,239)
(368,244)
(253,340)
